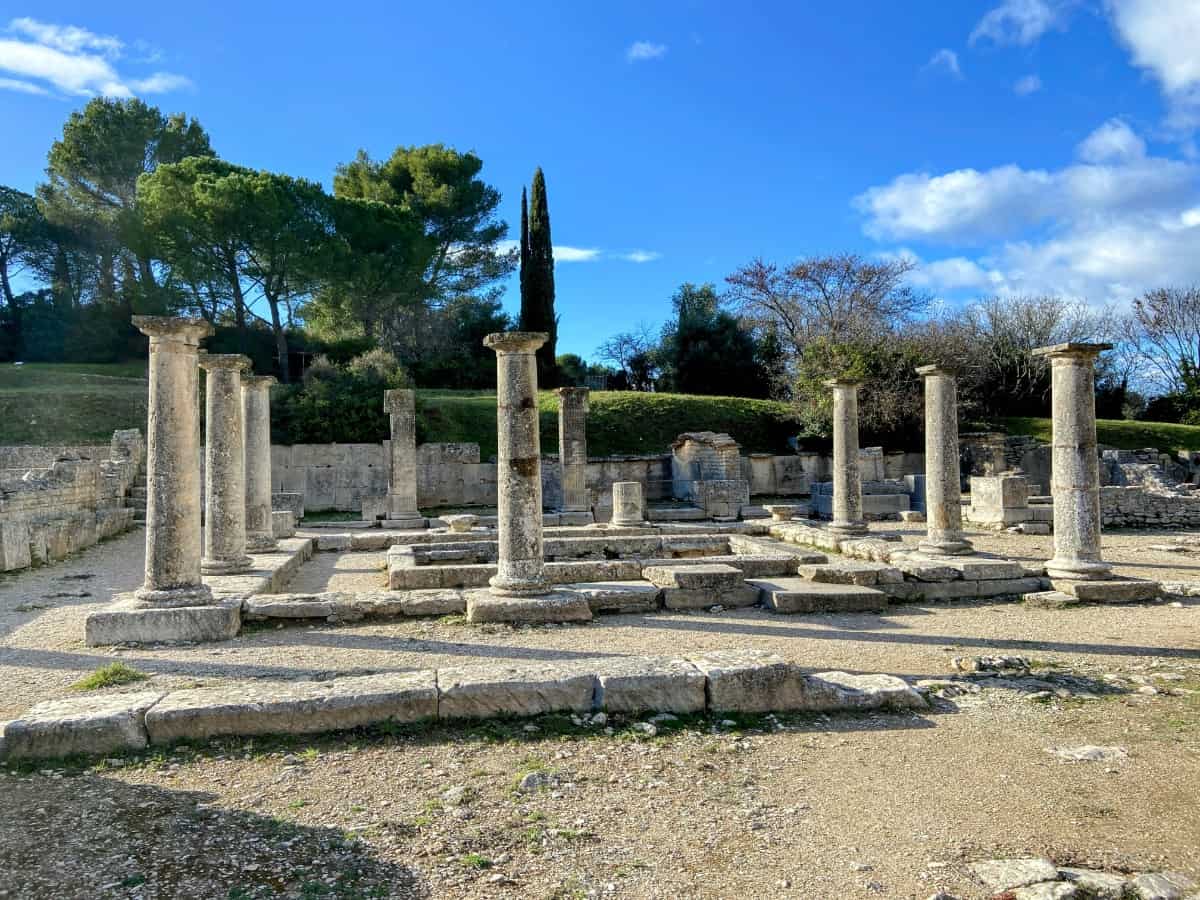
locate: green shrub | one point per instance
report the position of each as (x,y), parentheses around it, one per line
(333,403)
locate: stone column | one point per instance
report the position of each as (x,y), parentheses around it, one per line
(943,485)
(256,426)
(1075,463)
(401,406)
(628,507)
(572,448)
(224,465)
(518,464)
(847,482)
(173,464)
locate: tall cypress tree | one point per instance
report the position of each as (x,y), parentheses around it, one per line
(537,280)
(524,255)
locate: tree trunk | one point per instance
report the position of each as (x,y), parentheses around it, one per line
(6,287)
(235,285)
(281,347)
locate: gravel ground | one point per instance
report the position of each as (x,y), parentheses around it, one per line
(865,806)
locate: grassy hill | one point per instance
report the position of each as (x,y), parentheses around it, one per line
(1120,433)
(64,403)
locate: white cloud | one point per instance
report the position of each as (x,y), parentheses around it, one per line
(641,256)
(1105,228)
(1030,84)
(640,51)
(74,61)
(1162,37)
(565,254)
(945,61)
(1021,22)
(22,87)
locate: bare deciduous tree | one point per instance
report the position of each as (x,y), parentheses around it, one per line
(1168,330)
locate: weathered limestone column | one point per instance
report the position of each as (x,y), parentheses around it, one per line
(224,465)
(518,464)
(572,448)
(1075,464)
(401,406)
(628,507)
(256,428)
(943,486)
(173,464)
(847,481)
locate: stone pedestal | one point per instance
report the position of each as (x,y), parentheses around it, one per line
(401,406)
(572,448)
(256,428)
(224,465)
(518,465)
(847,481)
(943,485)
(628,507)
(1075,478)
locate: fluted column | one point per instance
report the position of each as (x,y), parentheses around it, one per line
(943,484)
(847,480)
(1075,463)
(256,428)
(173,463)
(628,506)
(401,406)
(572,447)
(521,568)
(224,465)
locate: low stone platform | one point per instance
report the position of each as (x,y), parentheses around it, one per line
(1109,590)
(561,606)
(714,681)
(797,595)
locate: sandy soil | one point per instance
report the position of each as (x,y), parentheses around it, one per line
(865,806)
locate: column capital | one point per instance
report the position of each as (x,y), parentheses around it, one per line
(515,341)
(259,381)
(189,329)
(572,391)
(843,383)
(937,369)
(236,361)
(1072,350)
(398,399)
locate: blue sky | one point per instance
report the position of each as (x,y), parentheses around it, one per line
(1011,146)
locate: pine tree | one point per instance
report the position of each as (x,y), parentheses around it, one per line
(537,280)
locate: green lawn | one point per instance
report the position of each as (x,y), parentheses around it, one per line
(1120,433)
(49,403)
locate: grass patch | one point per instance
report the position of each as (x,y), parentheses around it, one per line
(1120,433)
(90,401)
(112,675)
(475,861)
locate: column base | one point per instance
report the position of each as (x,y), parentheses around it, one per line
(508,586)
(1078,569)
(849,528)
(946,548)
(170,598)
(127,621)
(628,523)
(226,566)
(261,542)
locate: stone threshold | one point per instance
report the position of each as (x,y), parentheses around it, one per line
(715,681)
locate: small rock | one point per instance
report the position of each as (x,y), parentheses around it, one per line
(1161,886)
(1100,885)
(535,781)
(1089,753)
(1048,890)
(1006,874)
(456,796)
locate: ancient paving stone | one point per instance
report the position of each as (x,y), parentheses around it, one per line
(437,602)
(796,595)
(750,680)
(293,606)
(1048,890)
(842,690)
(711,576)
(126,621)
(924,569)
(635,685)
(85,724)
(851,572)
(1161,886)
(333,542)
(1050,600)
(1089,753)
(618,596)
(1006,874)
(981,568)
(703,598)
(293,707)
(512,690)
(560,606)
(1098,885)
(1109,591)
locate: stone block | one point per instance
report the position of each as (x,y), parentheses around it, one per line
(477,692)
(707,577)
(561,606)
(1131,590)
(912,516)
(842,690)
(373,507)
(14,545)
(320,488)
(750,681)
(924,569)
(333,543)
(88,724)
(283,523)
(979,568)
(1050,600)
(703,598)
(124,622)
(1006,874)
(293,707)
(851,572)
(1160,886)
(633,685)
(796,595)
(618,596)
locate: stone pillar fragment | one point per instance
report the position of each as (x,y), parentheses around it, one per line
(173,464)
(521,567)
(847,480)
(1075,465)
(256,428)
(401,406)
(628,507)
(224,465)
(943,484)
(572,448)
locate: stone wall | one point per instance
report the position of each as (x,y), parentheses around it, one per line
(1136,507)
(69,498)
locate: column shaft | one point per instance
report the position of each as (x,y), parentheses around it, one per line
(1075,463)
(173,463)
(518,465)
(572,448)
(628,504)
(224,466)
(401,405)
(943,486)
(847,480)
(256,429)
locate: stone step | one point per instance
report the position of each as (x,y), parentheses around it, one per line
(846,571)
(676,514)
(798,595)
